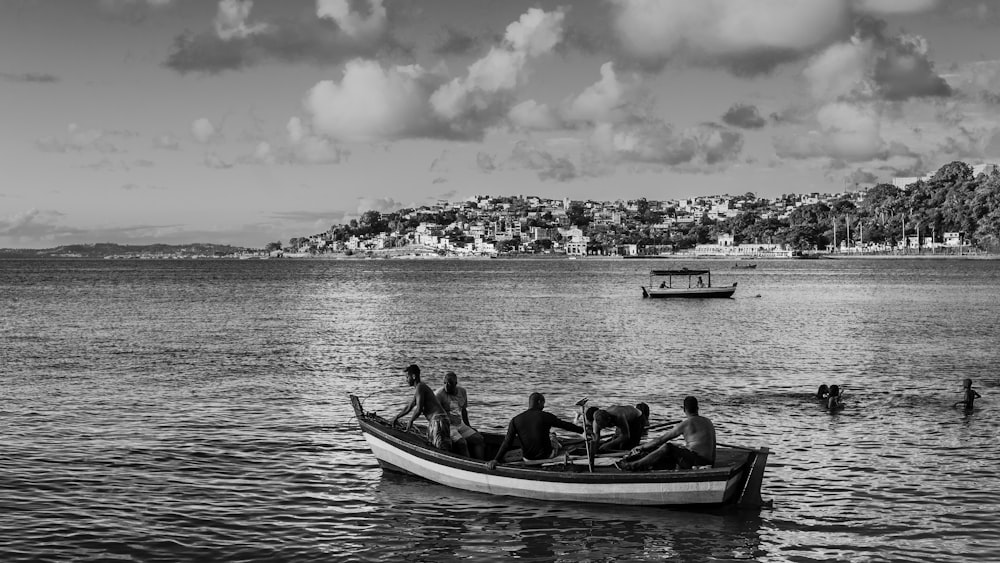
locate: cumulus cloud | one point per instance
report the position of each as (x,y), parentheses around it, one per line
(903,70)
(838,70)
(308,148)
(744,116)
(330,36)
(203,130)
(874,65)
(852,132)
(746,37)
(694,148)
(372,103)
(231,20)
(536,32)
(486,92)
(301,146)
(608,100)
(533,116)
(79,140)
(846,131)
(364,27)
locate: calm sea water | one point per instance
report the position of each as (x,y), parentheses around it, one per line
(170,411)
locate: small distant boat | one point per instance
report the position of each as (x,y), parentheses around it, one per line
(739,266)
(694,286)
(799,255)
(735,478)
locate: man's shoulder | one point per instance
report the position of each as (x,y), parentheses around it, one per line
(702,422)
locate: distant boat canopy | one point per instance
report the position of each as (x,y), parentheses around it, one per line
(681,272)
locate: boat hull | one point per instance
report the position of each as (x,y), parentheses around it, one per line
(691,293)
(738,482)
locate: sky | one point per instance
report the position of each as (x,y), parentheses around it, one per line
(250,121)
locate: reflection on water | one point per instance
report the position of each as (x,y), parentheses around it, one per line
(456,525)
(198,410)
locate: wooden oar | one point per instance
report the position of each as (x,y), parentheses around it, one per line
(661,425)
(736,447)
(582,403)
(563,459)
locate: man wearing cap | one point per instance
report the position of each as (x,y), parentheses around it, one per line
(455,401)
(424,402)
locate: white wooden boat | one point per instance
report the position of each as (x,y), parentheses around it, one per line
(689,284)
(734,479)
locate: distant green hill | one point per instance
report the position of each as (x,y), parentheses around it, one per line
(106,249)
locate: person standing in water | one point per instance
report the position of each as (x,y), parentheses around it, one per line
(968,401)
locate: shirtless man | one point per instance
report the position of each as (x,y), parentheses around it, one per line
(455,401)
(627,422)
(699,435)
(970,395)
(438,427)
(532,427)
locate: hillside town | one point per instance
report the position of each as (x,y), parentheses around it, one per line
(742,225)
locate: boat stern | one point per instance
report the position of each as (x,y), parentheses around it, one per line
(750,495)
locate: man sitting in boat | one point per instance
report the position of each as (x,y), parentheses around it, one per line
(455,401)
(424,402)
(628,422)
(533,428)
(699,435)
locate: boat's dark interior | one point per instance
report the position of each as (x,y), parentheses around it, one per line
(577,452)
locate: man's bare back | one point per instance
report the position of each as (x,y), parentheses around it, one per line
(699,435)
(424,396)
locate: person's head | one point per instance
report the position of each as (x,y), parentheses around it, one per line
(690,405)
(536,400)
(834,390)
(450,382)
(412,374)
(589,414)
(604,419)
(967,383)
(823,391)
(644,409)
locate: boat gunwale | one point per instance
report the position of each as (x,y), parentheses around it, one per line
(414,446)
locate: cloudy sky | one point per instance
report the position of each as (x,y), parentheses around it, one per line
(245,122)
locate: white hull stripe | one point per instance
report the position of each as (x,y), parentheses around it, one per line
(645,493)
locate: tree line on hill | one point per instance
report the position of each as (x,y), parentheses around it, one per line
(952,200)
